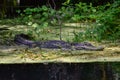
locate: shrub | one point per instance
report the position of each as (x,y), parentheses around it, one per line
(107,24)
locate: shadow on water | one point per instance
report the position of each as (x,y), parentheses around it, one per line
(60,71)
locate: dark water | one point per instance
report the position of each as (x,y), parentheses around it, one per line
(60,71)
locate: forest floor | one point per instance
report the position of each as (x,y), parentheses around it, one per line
(10,54)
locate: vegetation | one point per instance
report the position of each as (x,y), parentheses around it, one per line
(95,22)
(7,5)
(106,19)
(107,23)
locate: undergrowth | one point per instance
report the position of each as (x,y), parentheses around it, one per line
(107,25)
(106,19)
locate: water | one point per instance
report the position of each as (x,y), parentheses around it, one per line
(60,71)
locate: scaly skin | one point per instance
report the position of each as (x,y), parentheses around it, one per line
(55,44)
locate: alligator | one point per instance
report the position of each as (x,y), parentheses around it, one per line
(23,39)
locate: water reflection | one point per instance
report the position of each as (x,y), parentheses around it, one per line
(90,71)
(61,71)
